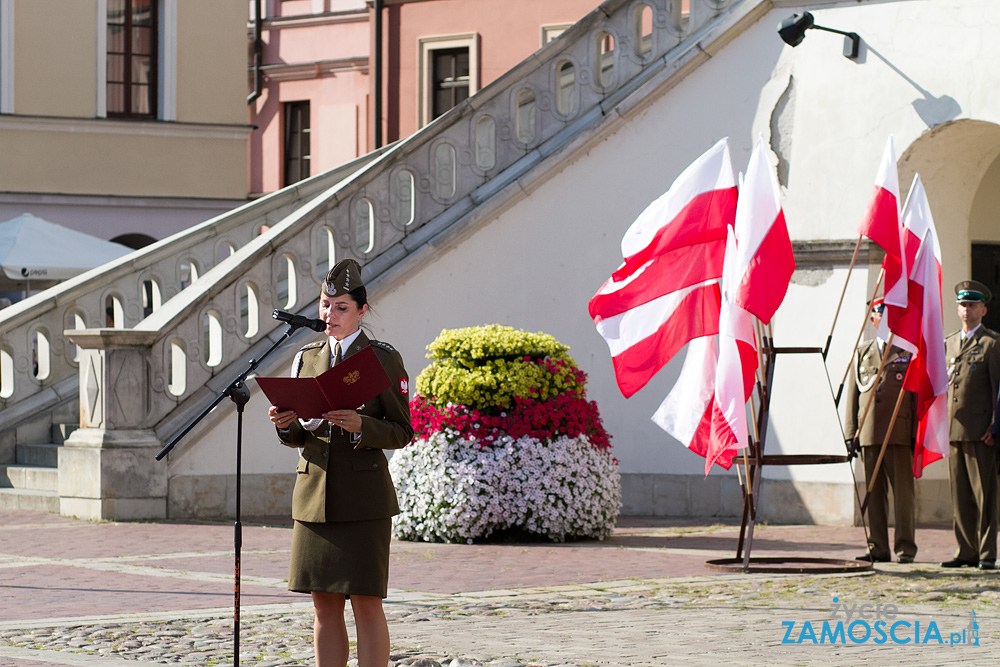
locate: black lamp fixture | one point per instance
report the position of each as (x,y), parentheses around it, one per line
(793,30)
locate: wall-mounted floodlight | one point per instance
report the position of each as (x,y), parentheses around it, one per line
(793,30)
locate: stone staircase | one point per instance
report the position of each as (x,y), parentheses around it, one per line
(32,482)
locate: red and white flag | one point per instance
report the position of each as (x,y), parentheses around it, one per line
(706,409)
(734,376)
(882,225)
(928,372)
(666,292)
(905,321)
(764,250)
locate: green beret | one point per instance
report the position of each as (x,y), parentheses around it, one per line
(972,291)
(343,277)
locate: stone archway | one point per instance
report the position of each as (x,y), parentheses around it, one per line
(959,164)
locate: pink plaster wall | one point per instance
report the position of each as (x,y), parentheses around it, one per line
(509,31)
(340,101)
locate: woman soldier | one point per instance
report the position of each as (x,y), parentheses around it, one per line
(344,500)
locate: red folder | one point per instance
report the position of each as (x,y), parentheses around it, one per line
(351,383)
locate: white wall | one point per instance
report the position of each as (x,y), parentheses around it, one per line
(538,263)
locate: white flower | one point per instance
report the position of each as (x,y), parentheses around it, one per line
(452,490)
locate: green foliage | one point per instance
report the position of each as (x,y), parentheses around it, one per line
(489,367)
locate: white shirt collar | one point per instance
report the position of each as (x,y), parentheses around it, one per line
(966,334)
(345,344)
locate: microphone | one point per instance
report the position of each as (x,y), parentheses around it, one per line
(298,321)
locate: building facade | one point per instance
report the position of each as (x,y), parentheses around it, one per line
(510,208)
(321,61)
(125,119)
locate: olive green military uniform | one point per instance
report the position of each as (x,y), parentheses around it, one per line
(344,498)
(897,464)
(973,378)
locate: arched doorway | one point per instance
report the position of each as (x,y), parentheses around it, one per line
(959,164)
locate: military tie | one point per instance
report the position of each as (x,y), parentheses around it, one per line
(336,354)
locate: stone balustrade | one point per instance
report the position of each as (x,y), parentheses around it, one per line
(39,365)
(168,366)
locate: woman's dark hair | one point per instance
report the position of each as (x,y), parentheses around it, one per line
(359,295)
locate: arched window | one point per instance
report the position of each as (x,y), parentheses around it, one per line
(187,272)
(114,314)
(151,299)
(524,119)
(286,284)
(643,29)
(249,317)
(177,374)
(605,59)
(486,143)
(405,202)
(6,373)
(326,251)
(41,356)
(73,320)
(566,88)
(680,14)
(224,250)
(444,171)
(211,338)
(364,226)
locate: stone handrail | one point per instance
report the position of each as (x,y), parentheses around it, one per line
(31,331)
(400,201)
(140,387)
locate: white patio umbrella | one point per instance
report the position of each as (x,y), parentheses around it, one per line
(39,253)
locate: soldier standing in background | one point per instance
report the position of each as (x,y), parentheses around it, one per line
(897,464)
(973,356)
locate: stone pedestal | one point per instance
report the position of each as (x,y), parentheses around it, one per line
(107,468)
(112,475)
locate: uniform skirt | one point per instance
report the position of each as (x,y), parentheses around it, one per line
(345,557)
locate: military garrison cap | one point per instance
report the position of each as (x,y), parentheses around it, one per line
(343,277)
(972,291)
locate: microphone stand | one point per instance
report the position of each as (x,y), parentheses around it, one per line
(238,392)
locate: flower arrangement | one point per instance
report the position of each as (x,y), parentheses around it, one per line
(505,441)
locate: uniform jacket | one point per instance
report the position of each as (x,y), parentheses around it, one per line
(973,378)
(866,364)
(339,477)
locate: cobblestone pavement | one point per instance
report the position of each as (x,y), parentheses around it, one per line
(82,594)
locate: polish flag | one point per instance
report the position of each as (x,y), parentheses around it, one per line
(686,413)
(706,409)
(764,247)
(905,321)
(881,224)
(734,376)
(927,375)
(666,292)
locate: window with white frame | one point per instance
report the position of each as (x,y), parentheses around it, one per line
(449,73)
(137,59)
(550,32)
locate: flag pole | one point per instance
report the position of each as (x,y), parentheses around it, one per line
(861,331)
(836,314)
(885,443)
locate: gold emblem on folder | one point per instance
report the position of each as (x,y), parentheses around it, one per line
(352,377)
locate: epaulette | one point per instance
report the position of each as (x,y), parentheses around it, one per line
(384,346)
(953,333)
(317,343)
(992,332)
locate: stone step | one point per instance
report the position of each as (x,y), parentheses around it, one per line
(46,455)
(29,501)
(30,478)
(62,431)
